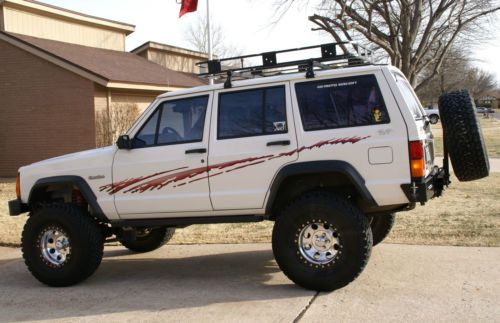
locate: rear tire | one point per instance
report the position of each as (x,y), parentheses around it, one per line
(149,239)
(61,245)
(322,241)
(433,119)
(381,226)
(463,136)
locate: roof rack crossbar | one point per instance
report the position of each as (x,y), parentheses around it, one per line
(215,68)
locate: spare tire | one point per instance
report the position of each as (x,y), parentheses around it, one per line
(462,136)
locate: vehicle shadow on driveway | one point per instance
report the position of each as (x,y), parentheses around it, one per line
(174,277)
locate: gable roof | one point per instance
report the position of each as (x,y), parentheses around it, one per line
(106,67)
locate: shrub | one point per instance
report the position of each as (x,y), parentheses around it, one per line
(115,122)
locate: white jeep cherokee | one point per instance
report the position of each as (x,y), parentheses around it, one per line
(329,154)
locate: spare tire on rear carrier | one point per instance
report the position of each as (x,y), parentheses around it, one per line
(462,136)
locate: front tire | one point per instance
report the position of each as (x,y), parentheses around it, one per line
(322,241)
(62,245)
(433,119)
(149,239)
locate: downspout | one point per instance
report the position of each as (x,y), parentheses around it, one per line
(108,111)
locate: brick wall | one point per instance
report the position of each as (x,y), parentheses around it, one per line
(45,111)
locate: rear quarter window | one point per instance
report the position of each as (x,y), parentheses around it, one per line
(341,102)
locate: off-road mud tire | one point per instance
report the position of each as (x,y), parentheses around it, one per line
(86,243)
(463,136)
(354,233)
(381,226)
(156,238)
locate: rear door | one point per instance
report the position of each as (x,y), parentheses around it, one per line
(252,137)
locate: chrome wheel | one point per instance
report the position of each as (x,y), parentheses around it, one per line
(319,243)
(55,246)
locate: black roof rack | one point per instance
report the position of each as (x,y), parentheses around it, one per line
(333,55)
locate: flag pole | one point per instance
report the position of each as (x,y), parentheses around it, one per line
(209,39)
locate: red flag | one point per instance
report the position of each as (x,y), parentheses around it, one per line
(188,6)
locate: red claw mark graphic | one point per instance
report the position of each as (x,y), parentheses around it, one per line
(159,180)
(116,187)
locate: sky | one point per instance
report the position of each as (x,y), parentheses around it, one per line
(247,24)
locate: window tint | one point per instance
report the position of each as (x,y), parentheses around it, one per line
(182,121)
(341,102)
(410,98)
(174,122)
(146,137)
(252,113)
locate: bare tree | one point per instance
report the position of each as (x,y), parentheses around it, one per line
(480,82)
(197,37)
(450,76)
(456,72)
(416,35)
(110,124)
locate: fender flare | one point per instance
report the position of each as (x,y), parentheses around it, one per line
(323,166)
(77,181)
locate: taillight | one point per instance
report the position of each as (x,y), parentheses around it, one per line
(417,159)
(18,185)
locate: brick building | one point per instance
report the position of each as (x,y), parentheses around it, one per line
(58,68)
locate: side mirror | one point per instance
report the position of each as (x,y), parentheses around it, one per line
(124,142)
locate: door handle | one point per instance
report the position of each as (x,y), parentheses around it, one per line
(279,143)
(196,151)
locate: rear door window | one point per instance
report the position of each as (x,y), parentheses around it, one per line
(341,102)
(252,113)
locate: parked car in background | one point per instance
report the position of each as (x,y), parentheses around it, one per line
(433,114)
(484,110)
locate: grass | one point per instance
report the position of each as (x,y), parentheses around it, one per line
(467,215)
(491,133)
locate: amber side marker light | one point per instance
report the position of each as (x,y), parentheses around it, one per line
(417,162)
(18,185)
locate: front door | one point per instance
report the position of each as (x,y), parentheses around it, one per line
(166,170)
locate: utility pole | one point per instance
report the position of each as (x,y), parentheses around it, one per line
(209,39)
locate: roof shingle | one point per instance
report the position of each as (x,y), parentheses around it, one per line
(113,65)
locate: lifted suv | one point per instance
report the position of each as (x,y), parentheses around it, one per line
(329,152)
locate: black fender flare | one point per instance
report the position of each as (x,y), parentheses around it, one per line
(322,166)
(77,181)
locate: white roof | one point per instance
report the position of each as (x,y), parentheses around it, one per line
(279,78)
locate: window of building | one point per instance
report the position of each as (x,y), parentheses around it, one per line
(341,102)
(174,122)
(252,113)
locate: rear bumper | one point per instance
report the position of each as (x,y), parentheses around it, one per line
(425,189)
(17,207)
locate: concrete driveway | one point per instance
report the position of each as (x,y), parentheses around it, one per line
(243,283)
